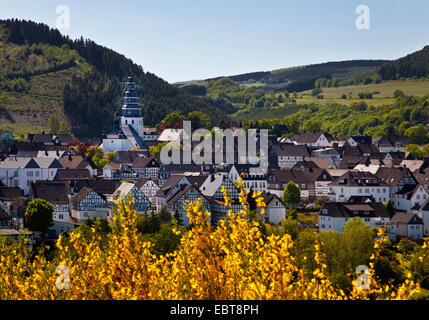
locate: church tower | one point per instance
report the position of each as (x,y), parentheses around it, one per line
(132,114)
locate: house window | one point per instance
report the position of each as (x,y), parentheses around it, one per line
(61,217)
(29,173)
(359,190)
(37,174)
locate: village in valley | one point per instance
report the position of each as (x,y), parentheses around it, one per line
(338,179)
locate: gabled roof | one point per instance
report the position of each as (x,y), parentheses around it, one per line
(392,175)
(213,183)
(413,165)
(269,198)
(124,189)
(128,156)
(53,192)
(196,181)
(323,163)
(145,162)
(82,194)
(300,175)
(391,141)
(30,163)
(406,218)
(290,150)
(51,139)
(308,137)
(362,139)
(347,210)
(72,174)
(358,179)
(100,186)
(10,193)
(77,162)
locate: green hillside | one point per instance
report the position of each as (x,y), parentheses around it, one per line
(44,74)
(294,78)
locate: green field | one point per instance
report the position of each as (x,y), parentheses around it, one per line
(386,91)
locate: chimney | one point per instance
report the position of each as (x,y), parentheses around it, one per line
(46,152)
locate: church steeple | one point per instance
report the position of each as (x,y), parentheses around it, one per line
(131,114)
(131,106)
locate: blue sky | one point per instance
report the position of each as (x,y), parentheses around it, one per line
(197,39)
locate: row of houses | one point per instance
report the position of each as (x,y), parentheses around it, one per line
(353,176)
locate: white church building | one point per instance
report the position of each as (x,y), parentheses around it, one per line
(129,131)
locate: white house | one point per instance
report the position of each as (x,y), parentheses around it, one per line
(355,183)
(334,216)
(88,204)
(312,139)
(21,172)
(150,189)
(251,181)
(275,210)
(406,224)
(288,155)
(56,193)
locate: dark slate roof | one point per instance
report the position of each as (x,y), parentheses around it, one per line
(392,175)
(83,193)
(301,175)
(345,210)
(63,139)
(145,162)
(358,178)
(307,137)
(362,139)
(290,150)
(53,192)
(100,186)
(72,174)
(269,197)
(28,146)
(128,156)
(142,181)
(196,181)
(9,193)
(391,141)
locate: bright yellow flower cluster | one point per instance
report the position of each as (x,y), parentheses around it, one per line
(230,261)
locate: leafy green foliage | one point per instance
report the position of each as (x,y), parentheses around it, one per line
(39,216)
(291,194)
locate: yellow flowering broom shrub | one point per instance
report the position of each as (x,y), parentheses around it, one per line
(230,261)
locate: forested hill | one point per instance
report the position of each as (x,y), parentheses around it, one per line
(91,78)
(415,65)
(301,77)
